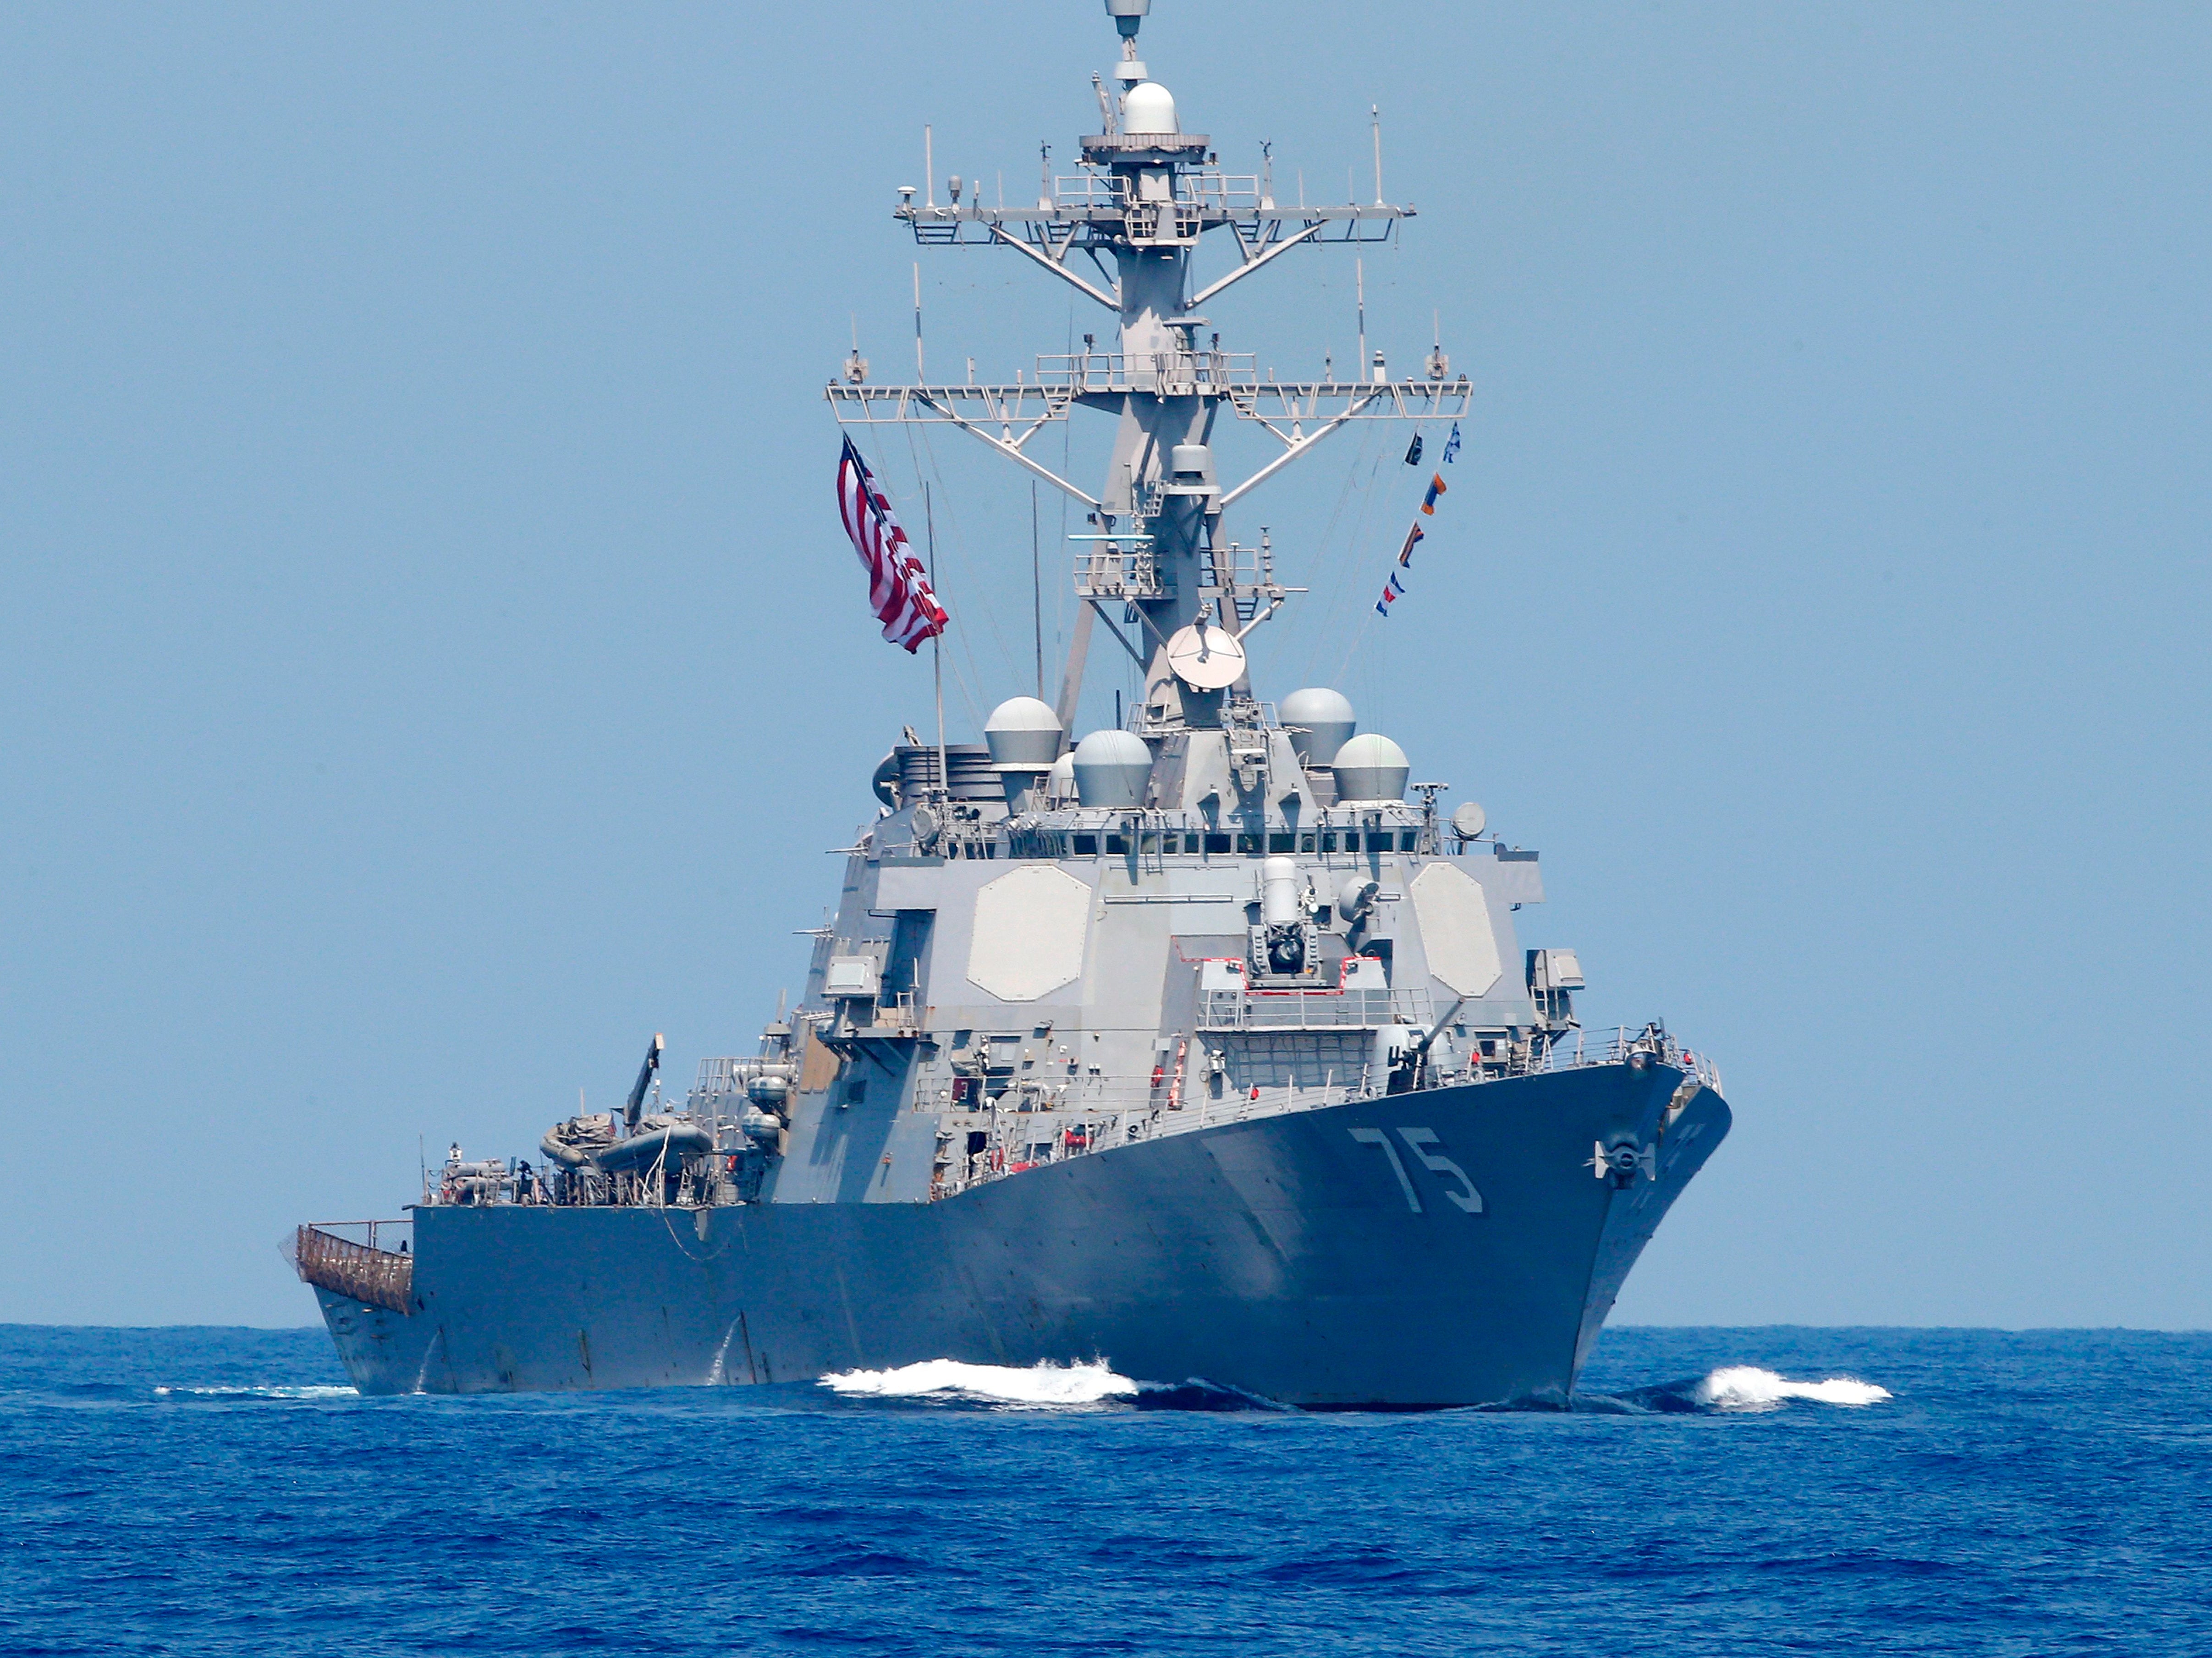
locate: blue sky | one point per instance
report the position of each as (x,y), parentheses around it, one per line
(432,664)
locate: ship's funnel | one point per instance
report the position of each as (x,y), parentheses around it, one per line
(1111,769)
(973,778)
(1370,766)
(1324,721)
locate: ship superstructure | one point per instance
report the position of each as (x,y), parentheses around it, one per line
(1205,1044)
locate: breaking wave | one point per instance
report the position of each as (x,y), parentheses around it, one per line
(1732,1388)
(1729,1390)
(1747,1387)
(1041,1384)
(256,1393)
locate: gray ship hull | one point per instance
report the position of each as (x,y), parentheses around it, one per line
(1323,1258)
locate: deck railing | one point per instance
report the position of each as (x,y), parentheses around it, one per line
(1620,1043)
(1310,1010)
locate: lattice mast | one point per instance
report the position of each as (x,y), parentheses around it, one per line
(1148,193)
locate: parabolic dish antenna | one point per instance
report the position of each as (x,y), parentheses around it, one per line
(1206,657)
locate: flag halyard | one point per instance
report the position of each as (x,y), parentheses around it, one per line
(1396,586)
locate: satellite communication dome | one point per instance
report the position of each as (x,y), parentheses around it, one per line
(1111,769)
(1326,722)
(1060,781)
(1371,767)
(1149,108)
(1023,732)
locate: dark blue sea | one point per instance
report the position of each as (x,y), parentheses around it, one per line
(1728,1492)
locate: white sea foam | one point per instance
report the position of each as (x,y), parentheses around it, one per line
(257,1393)
(1747,1387)
(1041,1384)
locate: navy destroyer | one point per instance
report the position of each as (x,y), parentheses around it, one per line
(1203,1044)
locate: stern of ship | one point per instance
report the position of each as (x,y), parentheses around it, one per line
(366,1291)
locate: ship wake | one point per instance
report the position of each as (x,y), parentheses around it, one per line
(1747,1387)
(1080,1386)
(1040,1384)
(1736,1388)
(309,1393)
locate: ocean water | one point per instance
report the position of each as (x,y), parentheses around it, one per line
(1736,1491)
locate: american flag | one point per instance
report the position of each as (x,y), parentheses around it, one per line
(898,588)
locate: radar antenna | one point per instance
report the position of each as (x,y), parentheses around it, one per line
(1146,195)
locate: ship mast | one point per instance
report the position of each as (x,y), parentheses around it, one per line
(1147,196)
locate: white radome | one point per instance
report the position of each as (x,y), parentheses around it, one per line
(1060,781)
(1149,108)
(1022,732)
(1370,766)
(1111,768)
(1325,723)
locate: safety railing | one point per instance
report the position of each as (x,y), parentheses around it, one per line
(1238,193)
(898,1017)
(1118,371)
(1310,1010)
(1109,570)
(1620,1043)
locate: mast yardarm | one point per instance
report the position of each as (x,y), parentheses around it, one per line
(1145,197)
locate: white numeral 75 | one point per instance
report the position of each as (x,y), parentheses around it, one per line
(1468,1200)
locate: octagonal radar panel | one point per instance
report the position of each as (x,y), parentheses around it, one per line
(1206,657)
(1030,927)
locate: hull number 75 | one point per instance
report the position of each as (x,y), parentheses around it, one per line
(1417,1140)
